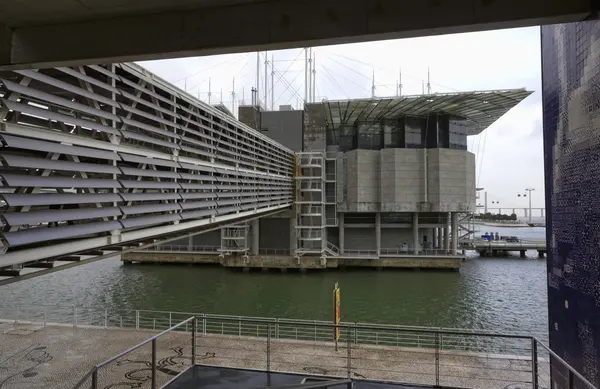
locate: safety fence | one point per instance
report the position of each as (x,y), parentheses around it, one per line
(414,355)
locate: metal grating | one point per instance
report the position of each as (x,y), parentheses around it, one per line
(102,150)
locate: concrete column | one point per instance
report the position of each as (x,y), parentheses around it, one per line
(341,230)
(434,238)
(416,232)
(378,231)
(190,243)
(446,239)
(293,240)
(454,232)
(255,231)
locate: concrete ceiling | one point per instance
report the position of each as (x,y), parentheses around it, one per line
(23,13)
(50,33)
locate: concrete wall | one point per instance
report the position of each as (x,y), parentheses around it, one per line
(392,180)
(284,127)
(451,180)
(315,124)
(570,74)
(401,176)
(361,177)
(364,238)
(250,116)
(274,233)
(211,238)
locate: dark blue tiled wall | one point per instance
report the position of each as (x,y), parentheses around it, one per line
(571,101)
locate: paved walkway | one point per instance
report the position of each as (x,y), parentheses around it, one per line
(58,357)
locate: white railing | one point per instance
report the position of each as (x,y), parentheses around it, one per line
(184,247)
(214,324)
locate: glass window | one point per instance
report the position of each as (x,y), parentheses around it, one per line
(393,133)
(370,135)
(413,132)
(458,133)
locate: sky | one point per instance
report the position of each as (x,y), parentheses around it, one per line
(509,153)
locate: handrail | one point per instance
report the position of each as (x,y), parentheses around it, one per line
(559,359)
(145,342)
(431,337)
(93,373)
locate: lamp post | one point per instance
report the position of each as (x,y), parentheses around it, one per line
(524,195)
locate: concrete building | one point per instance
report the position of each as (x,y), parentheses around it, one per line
(378,176)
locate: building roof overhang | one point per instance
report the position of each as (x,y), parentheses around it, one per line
(480,108)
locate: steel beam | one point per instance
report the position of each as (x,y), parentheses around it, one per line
(275,24)
(218,225)
(41,265)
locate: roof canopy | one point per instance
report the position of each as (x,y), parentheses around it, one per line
(480,108)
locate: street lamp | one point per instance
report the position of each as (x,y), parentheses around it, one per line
(524,195)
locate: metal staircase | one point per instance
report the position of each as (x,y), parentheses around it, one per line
(234,239)
(310,204)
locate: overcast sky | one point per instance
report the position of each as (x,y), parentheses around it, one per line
(509,153)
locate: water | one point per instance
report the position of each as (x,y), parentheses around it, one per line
(506,294)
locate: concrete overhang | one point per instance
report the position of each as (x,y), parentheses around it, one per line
(46,33)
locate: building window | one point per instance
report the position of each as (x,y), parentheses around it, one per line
(413,132)
(458,133)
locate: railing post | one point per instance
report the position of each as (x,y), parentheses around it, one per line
(571,378)
(349,357)
(534,364)
(268,347)
(106,318)
(203,324)
(74,316)
(437,359)
(170,321)
(95,378)
(137,319)
(153,364)
(194,326)
(277,328)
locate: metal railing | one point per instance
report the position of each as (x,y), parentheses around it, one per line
(396,251)
(267,251)
(100,376)
(417,355)
(184,247)
(410,355)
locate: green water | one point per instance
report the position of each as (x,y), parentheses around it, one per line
(508,294)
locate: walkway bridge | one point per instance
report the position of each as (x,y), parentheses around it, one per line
(111,157)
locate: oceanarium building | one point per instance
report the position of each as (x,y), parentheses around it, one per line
(375,177)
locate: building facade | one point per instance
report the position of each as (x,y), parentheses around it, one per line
(382,175)
(570,77)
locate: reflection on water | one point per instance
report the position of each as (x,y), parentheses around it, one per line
(506,294)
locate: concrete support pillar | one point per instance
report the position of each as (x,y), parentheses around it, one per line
(255,230)
(416,232)
(293,238)
(446,239)
(190,243)
(434,238)
(341,230)
(378,232)
(454,217)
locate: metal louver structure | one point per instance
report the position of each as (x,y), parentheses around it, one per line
(106,155)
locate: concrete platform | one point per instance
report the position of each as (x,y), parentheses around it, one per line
(58,356)
(265,262)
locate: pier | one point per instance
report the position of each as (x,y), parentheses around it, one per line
(500,248)
(280,260)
